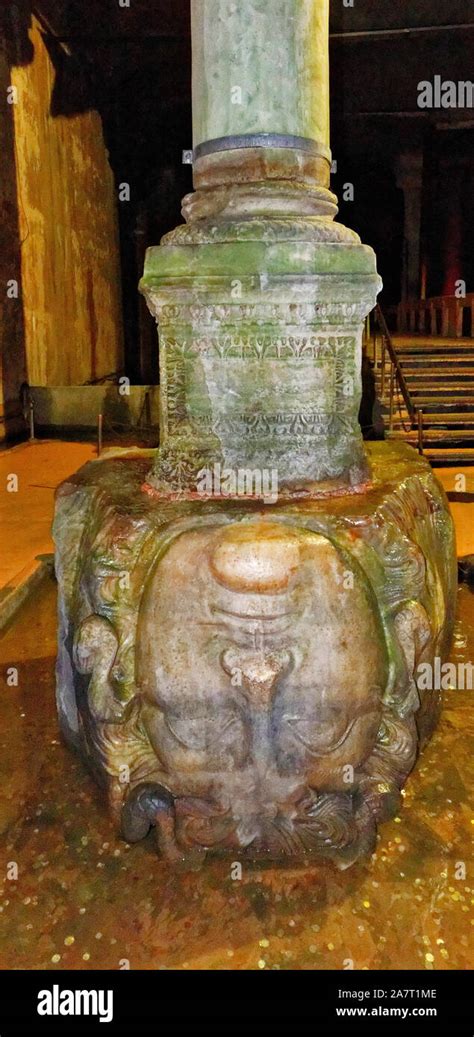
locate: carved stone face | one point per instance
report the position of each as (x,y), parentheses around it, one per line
(251,688)
(261,668)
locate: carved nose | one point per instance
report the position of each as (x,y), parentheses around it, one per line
(258,558)
(259,670)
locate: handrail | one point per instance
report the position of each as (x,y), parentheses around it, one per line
(419,415)
(388,345)
(438,315)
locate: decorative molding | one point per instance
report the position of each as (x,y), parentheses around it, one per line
(270,229)
(260,313)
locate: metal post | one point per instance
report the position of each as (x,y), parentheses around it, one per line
(32,420)
(419,417)
(382,368)
(99,436)
(392,380)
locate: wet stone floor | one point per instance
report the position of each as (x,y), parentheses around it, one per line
(74,895)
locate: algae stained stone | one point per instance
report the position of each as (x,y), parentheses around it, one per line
(239,667)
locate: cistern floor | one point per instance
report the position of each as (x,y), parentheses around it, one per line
(85,900)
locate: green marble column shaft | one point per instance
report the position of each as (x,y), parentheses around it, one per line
(260,90)
(260,67)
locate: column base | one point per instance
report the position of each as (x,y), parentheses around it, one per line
(243,678)
(260,323)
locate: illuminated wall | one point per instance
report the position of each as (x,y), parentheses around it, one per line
(68,228)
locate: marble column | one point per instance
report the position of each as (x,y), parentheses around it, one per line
(410,180)
(260,91)
(456,178)
(243,612)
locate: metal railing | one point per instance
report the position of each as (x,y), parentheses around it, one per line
(391,371)
(445,315)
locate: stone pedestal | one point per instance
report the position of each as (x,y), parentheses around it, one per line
(260,351)
(243,611)
(243,678)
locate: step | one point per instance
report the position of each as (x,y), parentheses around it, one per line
(436,348)
(452,355)
(437,352)
(433,401)
(438,375)
(433,405)
(462,419)
(435,435)
(435,376)
(440,457)
(450,380)
(433,381)
(424,371)
(437,364)
(404,343)
(458,386)
(444,455)
(444,385)
(454,395)
(422,359)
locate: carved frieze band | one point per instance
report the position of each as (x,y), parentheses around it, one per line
(297,314)
(271,346)
(330,361)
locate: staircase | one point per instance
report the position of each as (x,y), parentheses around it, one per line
(426,386)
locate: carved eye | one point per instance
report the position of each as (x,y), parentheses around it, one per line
(320,735)
(202,733)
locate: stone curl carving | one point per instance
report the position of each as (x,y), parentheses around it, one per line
(95,648)
(267,229)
